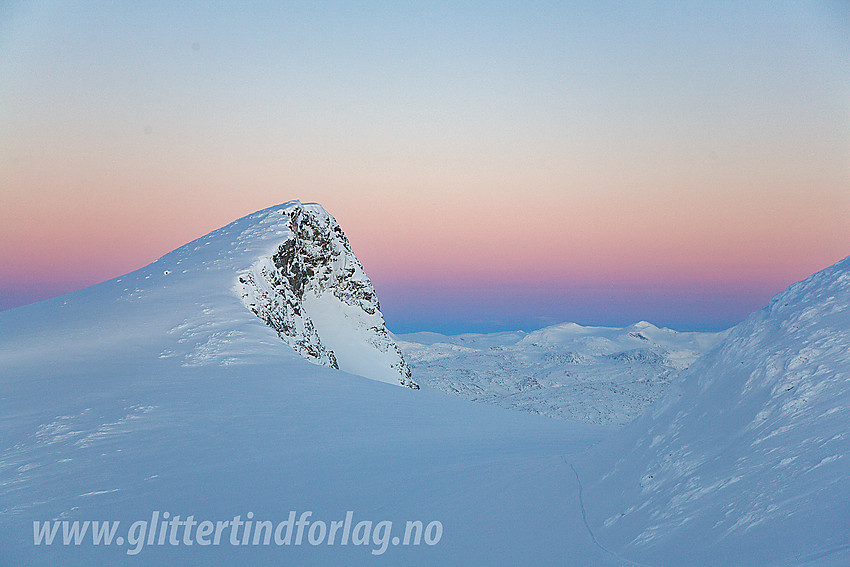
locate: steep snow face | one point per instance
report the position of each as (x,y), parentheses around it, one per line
(747,458)
(312,290)
(604,375)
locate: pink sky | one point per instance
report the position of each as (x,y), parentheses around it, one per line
(701,157)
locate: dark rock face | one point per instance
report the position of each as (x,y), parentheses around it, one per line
(313,263)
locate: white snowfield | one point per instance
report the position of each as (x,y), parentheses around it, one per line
(601,375)
(163,390)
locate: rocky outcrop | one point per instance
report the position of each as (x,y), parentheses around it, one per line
(313,292)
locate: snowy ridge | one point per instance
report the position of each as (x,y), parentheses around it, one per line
(603,375)
(747,456)
(160,391)
(312,290)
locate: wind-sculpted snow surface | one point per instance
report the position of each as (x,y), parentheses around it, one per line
(159,391)
(313,292)
(747,458)
(601,375)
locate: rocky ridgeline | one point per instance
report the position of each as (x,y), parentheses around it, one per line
(314,265)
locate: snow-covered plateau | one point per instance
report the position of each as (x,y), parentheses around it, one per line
(248,375)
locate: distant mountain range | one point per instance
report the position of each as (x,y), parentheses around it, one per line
(602,375)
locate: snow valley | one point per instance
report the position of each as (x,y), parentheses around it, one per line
(248,378)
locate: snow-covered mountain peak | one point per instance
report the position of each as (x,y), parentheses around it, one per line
(291,265)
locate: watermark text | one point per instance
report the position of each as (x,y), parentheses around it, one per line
(165,529)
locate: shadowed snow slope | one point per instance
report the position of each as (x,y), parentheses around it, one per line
(747,458)
(160,391)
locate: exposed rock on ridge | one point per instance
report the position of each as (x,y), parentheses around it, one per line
(313,292)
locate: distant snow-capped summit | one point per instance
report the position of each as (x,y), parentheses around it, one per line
(604,375)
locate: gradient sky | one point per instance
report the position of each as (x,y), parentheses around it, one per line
(494,165)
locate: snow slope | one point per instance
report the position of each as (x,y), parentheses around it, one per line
(748,457)
(602,375)
(160,391)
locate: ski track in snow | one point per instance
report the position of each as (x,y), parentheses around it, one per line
(590,530)
(747,454)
